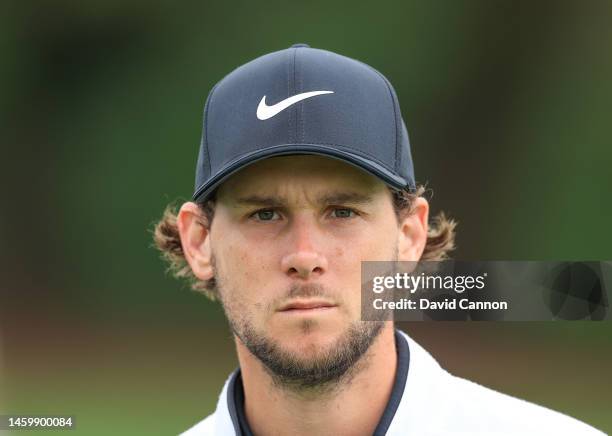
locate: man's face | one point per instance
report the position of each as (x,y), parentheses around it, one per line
(288,238)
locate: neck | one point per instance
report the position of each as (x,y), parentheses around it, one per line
(356,402)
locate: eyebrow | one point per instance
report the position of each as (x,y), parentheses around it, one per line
(324,199)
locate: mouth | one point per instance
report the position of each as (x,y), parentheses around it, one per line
(306,306)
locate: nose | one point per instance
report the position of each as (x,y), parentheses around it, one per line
(304,259)
(304,264)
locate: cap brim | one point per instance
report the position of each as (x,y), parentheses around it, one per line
(351,157)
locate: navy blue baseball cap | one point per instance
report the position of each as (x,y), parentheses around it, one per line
(303,100)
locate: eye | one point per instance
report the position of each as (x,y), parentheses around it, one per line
(264,215)
(343,212)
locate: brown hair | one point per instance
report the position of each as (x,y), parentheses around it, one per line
(440,237)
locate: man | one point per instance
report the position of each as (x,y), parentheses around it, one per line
(304,171)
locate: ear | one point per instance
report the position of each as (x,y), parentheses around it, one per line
(412,236)
(195,239)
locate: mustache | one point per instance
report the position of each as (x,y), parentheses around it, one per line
(306,291)
(310,290)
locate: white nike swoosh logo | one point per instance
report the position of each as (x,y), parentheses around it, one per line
(264,111)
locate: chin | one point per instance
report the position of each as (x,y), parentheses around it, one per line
(309,336)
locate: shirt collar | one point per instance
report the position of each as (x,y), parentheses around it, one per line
(235,393)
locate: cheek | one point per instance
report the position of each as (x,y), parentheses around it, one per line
(370,244)
(241,266)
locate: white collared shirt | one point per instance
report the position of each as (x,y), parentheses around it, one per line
(435,402)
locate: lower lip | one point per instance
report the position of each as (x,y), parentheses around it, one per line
(313,310)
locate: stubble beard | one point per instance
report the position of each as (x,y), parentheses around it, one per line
(331,368)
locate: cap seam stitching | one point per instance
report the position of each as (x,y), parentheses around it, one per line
(301,118)
(394,116)
(296,88)
(292,129)
(208,104)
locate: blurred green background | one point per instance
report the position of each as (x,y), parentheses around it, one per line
(508,106)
